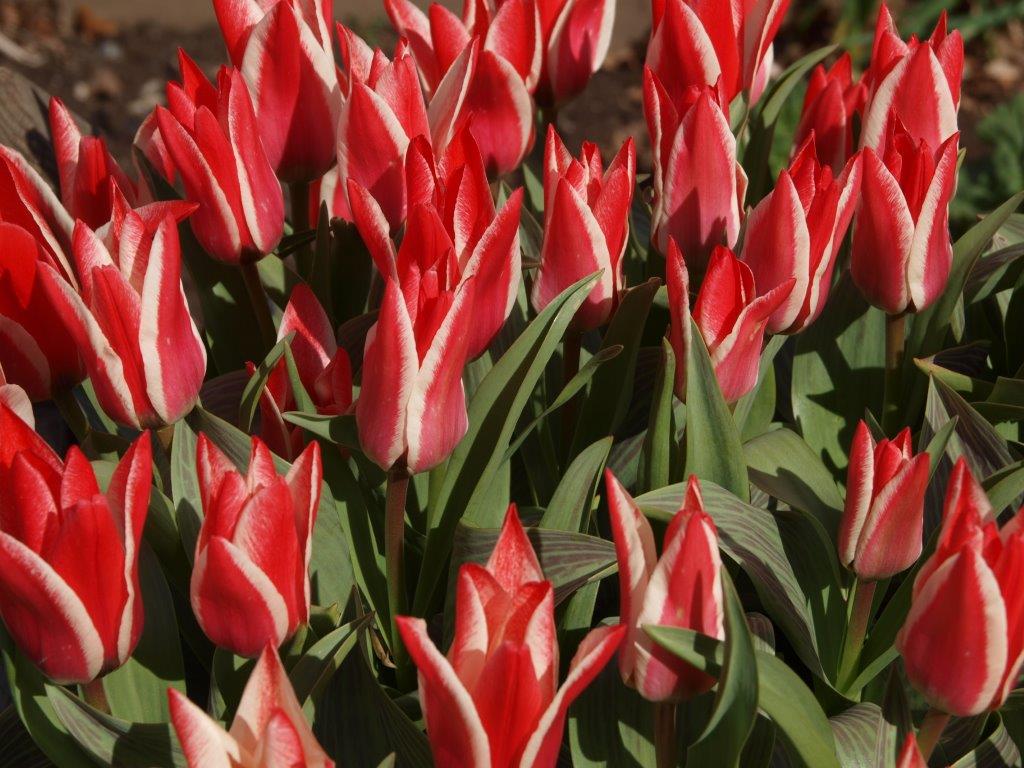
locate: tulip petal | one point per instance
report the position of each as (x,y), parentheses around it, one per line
(314,343)
(578,45)
(412,24)
(445,108)
(680,327)
(859,491)
(373,228)
(513,562)
(514,34)
(931,252)
(204,742)
(681,53)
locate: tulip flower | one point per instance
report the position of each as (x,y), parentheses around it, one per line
(485,242)
(494,700)
(69,581)
(682,588)
(323,367)
(882,524)
(269,728)
(796,232)
(916,84)
(731,317)
(283,50)
(832,100)
(586,225)
(698,184)
(16,398)
(27,200)
(910,755)
(963,638)
(250,584)
(211,136)
(695,44)
(902,253)
(129,317)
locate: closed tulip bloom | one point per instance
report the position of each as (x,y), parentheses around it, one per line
(586,225)
(250,583)
(832,100)
(211,136)
(269,728)
(494,700)
(69,582)
(682,588)
(27,200)
(963,638)
(730,314)
(902,252)
(796,232)
(882,523)
(698,184)
(910,755)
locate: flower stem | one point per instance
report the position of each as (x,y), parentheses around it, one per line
(931,729)
(299,192)
(895,340)
(394,540)
(95,695)
(258,299)
(570,367)
(665,734)
(861,599)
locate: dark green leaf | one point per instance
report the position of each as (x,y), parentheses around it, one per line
(610,725)
(569,509)
(660,439)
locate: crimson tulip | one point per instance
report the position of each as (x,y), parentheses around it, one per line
(796,232)
(730,314)
(586,226)
(910,755)
(69,582)
(268,729)
(250,583)
(963,639)
(27,200)
(211,136)
(902,252)
(682,588)
(494,700)
(882,524)
(283,50)
(832,100)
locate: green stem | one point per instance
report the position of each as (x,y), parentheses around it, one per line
(570,367)
(394,545)
(895,340)
(95,695)
(856,629)
(299,192)
(73,415)
(665,746)
(260,307)
(931,729)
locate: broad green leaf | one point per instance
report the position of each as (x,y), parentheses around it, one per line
(610,725)
(569,508)
(754,411)
(339,430)
(659,446)
(188,506)
(258,382)
(1005,487)
(996,750)
(19,751)
(863,738)
(316,666)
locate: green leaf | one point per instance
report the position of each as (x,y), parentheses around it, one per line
(316,666)
(997,749)
(258,382)
(339,430)
(754,411)
(569,509)
(1005,486)
(19,750)
(863,738)
(660,438)
(610,725)
(188,505)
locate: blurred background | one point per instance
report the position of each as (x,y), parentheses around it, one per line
(109,61)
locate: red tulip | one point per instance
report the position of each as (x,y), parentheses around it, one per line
(902,252)
(796,232)
(730,315)
(269,728)
(681,589)
(495,700)
(16,398)
(910,755)
(27,200)
(211,135)
(323,367)
(586,225)
(831,102)
(915,84)
(882,524)
(250,583)
(128,316)
(485,242)
(698,184)
(69,582)
(283,50)
(963,639)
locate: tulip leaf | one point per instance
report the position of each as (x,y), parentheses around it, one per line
(754,411)
(660,448)
(996,750)
(782,695)
(863,737)
(713,448)
(317,664)
(1005,486)
(570,506)
(339,430)
(610,725)
(258,382)
(188,505)
(19,750)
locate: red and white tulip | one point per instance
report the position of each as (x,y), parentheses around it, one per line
(831,103)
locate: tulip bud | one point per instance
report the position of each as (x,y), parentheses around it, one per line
(902,253)
(963,639)
(250,583)
(269,728)
(27,200)
(910,755)
(212,138)
(577,35)
(681,589)
(69,582)
(796,232)
(586,226)
(504,642)
(831,102)
(730,315)
(882,524)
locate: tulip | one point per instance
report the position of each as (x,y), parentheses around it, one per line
(963,639)
(129,317)
(250,584)
(27,200)
(323,367)
(881,529)
(69,582)
(283,50)
(681,589)
(698,184)
(731,317)
(494,700)
(916,84)
(902,252)
(910,755)
(17,400)
(211,136)
(269,728)
(586,225)
(485,242)
(796,232)
(832,100)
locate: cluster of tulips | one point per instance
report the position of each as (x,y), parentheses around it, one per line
(398,172)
